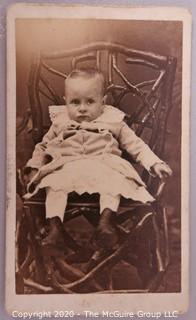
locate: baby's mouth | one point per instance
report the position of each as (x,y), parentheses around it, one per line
(83,118)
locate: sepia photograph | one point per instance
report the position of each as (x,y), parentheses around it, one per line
(98,107)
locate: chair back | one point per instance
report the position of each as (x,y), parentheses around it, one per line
(137,82)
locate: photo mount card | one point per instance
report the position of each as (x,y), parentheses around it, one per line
(130,46)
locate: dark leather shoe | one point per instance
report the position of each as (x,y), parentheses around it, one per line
(107,233)
(55,234)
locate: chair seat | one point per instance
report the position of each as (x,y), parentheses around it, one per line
(84,200)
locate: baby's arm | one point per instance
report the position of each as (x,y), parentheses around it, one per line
(162,170)
(141,152)
(38,157)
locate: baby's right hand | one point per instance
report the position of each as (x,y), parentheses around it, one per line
(72,125)
(70,129)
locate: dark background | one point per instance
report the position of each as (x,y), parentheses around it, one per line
(34,35)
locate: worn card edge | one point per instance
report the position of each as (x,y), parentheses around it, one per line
(82,302)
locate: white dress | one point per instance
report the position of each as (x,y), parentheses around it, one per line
(92,162)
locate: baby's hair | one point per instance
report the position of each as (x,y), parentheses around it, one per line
(87,73)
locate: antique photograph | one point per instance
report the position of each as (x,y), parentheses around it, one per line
(98,120)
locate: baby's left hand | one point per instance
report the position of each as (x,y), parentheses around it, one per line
(162,170)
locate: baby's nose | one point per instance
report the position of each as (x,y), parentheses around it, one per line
(83,107)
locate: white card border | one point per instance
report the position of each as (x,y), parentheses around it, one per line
(94,302)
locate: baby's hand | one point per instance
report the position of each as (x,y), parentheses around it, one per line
(162,170)
(72,125)
(70,129)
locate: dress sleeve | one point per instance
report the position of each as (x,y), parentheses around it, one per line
(38,157)
(137,148)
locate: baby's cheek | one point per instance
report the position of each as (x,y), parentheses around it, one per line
(72,115)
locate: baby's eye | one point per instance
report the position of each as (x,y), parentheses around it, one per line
(75,101)
(90,101)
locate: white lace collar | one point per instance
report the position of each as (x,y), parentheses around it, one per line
(110,114)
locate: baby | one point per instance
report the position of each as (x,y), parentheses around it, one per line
(81,152)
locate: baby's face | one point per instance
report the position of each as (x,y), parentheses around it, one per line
(84,98)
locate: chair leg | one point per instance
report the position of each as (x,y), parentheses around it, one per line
(143,264)
(157,240)
(158,263)
(40,271)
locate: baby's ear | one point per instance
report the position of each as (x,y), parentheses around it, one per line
(104,99)
(64,98)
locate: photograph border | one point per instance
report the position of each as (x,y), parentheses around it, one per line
(165,301)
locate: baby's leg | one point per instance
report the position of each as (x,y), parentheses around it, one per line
(56,202)
(107,233)
(108,201)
